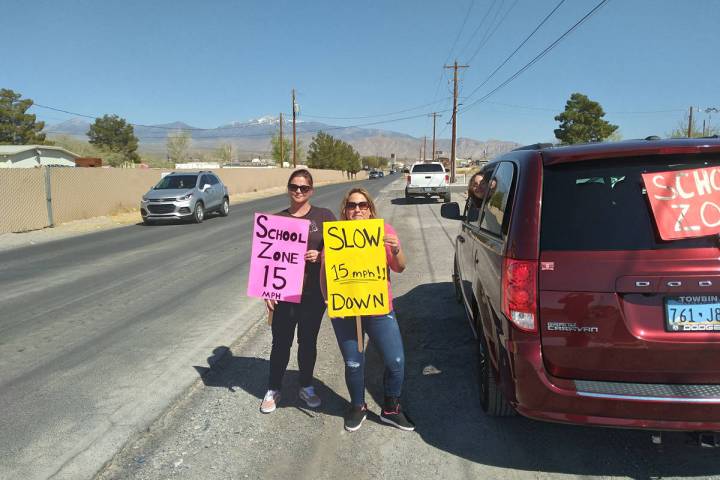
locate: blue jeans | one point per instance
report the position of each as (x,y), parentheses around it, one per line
(384,334)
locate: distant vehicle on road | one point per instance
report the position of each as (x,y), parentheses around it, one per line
(185,196)
(376,174)
(584,311)
(428,180)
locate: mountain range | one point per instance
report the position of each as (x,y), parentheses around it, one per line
(252,138)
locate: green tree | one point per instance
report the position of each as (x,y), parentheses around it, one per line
(331,153)
(321,151)
(178,146)
(582,121)
(275,149)
(16,126)
(114,135)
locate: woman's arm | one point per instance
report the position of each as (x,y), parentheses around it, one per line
(396,262)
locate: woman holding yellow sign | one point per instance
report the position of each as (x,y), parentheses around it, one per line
(382,329)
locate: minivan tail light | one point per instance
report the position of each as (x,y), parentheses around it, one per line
(519,293)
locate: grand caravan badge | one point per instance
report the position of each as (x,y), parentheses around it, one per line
(570,327)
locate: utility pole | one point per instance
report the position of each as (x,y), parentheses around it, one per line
(294,107)
(282,145)
(690,123)
(420,154)
(434,115)
(455,67)
(424,155)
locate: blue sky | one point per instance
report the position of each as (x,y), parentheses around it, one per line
(208,63)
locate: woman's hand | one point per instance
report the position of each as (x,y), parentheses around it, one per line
(270,305)
(392,242)
(312,256)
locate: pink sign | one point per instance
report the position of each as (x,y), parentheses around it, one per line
(685,203)
(277,265)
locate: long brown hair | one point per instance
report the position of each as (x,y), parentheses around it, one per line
(366,194)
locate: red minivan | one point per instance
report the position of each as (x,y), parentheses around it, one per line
(584,311)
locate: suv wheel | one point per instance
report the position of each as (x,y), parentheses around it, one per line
(199,213)
(225,207)
(492,399)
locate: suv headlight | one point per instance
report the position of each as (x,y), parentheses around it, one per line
(186,197)
(144,198)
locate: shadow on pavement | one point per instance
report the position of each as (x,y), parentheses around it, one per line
(444,404)
(251,374)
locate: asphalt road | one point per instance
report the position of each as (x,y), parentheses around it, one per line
(98,332)
(102,335)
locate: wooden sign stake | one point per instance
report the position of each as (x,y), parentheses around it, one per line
(358,325)
(270,315)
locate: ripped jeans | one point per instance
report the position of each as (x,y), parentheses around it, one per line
(384,334)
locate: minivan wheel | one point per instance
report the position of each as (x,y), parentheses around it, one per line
(199,213)
(225,208)
(492,399)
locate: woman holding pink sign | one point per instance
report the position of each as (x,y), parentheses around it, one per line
(307,314)
(383,331)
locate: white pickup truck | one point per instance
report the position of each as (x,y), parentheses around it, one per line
(427,180)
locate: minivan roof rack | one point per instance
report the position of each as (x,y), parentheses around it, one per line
(534,146)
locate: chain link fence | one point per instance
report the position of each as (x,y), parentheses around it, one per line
(35,198)
(23,201)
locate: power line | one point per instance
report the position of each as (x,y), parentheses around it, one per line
(477,29)
(547,17)
(159,127)
(484,41)
(457,37)
(538,57)
(548,109)
(300,130)
(376,115)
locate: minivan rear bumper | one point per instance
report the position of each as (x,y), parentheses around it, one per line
(541,396)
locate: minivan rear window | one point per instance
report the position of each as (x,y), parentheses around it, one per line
(602,205)
(427,168)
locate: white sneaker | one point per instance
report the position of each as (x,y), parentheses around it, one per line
(308,395)
(269,403)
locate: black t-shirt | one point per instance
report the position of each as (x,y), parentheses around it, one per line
(316,215)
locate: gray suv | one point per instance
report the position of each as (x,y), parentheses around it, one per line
(185,195)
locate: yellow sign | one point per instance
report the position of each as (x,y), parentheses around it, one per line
(356,268)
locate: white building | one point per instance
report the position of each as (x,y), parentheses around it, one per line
(28,156)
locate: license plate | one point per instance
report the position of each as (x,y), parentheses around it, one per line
(428,189)
(692,313)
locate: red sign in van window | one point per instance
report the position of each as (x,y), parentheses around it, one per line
(685,203)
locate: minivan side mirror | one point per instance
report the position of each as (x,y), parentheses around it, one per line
(451,211)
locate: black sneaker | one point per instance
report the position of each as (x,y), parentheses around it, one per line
(397,417)
(354,417)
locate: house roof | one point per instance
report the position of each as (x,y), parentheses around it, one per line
(13,149)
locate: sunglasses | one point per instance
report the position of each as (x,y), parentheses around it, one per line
(299,188)
(360,205)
